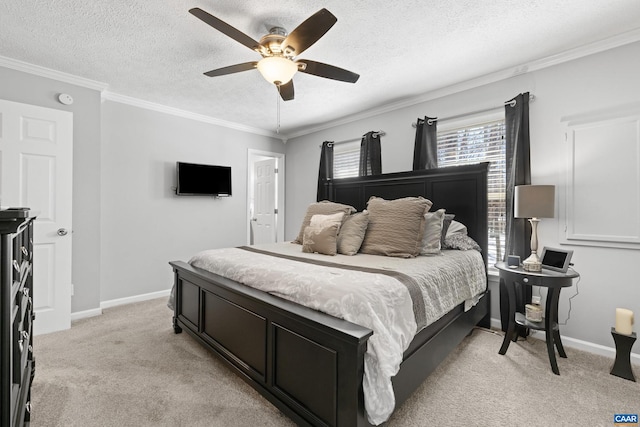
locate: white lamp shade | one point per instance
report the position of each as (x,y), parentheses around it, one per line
(277,70)
(534,201)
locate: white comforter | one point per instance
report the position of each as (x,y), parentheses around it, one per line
(377,301)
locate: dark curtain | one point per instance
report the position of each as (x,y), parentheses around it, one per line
(425,151)
(518,171)
(370,154)
(325,173)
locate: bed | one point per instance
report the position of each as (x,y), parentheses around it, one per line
(310,364)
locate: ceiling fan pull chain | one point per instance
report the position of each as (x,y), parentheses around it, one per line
(278,110)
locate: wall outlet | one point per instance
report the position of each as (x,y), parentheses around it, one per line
(535,299)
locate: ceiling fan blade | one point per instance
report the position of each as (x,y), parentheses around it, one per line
(309,32)
(328,71)
(225,28)
(246,66)
(286,91)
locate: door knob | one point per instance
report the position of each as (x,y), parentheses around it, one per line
(62,232)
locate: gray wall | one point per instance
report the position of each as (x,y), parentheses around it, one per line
(144,224)
(30,89)
(605,80)
(127,223)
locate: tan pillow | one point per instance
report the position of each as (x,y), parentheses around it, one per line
(326,220)
(352,233)
(324,207)
(395,226)
(431,240)
(322,240)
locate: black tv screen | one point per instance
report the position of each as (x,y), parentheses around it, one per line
(203,180)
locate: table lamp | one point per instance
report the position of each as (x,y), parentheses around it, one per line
(534,202)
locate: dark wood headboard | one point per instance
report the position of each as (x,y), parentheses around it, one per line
(461,190)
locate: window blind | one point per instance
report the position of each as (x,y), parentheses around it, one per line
(346,160)
(484,142)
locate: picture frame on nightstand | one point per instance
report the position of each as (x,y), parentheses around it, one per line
(556,259)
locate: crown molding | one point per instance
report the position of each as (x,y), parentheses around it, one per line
(560,58)
(566,56)
(37,70)
(586,50)
(136,102)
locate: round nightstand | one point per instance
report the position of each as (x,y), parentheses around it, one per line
(552,280)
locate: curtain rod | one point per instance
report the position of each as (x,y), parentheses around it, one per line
(511,103)
(379,133)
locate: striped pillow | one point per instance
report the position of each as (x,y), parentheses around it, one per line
(395,226)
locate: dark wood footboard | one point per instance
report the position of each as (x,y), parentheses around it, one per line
(308,364)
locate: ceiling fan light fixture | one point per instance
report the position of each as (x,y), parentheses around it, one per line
(277,69)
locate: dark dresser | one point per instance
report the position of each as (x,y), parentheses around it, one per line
(17,364)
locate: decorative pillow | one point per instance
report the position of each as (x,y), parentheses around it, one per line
(395,226)
(352,233)
(456,227)
(320,239)
(460,241)
(448,218)
(431,240)
(326,220)
(324,207)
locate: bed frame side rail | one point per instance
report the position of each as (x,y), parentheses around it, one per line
(424,360)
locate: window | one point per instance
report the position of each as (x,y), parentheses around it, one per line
(346,159)
(459,144)
(475,143)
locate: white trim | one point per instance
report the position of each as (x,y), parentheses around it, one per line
(252,157)
(86,314)
(569,55)
(136,298)
(584,134)
(136,102)
(116,302)
(37,70)
(587,346)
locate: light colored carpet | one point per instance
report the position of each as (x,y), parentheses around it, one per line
(128,368)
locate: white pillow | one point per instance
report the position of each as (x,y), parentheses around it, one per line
(456,227)
(431,239)
(324,221)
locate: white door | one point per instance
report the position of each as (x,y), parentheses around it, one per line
(264,202)
(36,146)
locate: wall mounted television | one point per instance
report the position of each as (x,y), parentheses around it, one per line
(203,180)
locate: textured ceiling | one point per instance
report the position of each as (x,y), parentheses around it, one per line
(156,51)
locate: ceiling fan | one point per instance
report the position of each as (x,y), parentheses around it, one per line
(279,51)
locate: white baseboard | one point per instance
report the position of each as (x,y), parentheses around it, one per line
(116,302)
(85,314)
(495,324)
(137,298)
(577,344)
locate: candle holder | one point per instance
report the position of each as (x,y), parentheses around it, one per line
(622,365)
